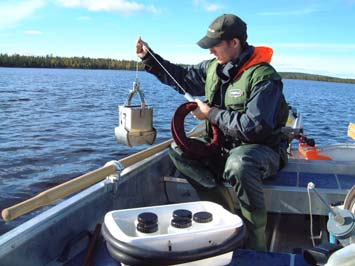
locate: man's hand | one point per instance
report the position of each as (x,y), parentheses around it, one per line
(201,111)
(141,48)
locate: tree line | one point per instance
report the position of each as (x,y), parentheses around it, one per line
(50,61)
(305,76)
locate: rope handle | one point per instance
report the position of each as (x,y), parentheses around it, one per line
(132,92)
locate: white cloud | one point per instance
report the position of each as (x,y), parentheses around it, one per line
(12,12)
(323,65)
(290,60)
(315,58)
(153,9)
(308,8)
(330,46)
(33,32)
(120,6)
(212,7)
(296,12)
(207,5)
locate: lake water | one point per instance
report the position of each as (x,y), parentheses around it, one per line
(57,124)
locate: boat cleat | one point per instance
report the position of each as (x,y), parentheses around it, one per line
(111,182)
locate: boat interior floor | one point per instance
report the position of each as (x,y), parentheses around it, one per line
(241,257)
(287,237)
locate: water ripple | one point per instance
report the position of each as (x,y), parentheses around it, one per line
(57,124)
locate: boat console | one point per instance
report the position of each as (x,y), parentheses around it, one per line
(193,233)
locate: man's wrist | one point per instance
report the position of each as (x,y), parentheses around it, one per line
(213,114)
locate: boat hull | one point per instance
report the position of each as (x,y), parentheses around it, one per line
(50,237)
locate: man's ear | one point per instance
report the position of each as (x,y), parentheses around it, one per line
(236,42)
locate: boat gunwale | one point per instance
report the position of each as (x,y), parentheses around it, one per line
(45,219)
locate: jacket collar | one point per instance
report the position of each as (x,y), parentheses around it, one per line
(261,54)
(227,71)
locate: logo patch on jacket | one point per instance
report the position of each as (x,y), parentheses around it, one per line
(236,93)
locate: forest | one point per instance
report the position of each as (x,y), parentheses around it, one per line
(50,61)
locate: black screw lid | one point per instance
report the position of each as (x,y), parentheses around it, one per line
(147,222)
(182,213)
(203,217)
(181,223)
(147,218)
(147,228)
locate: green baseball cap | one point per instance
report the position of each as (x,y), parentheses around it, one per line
(225,27)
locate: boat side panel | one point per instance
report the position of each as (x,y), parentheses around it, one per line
(287,191)
(41,240)
(143,183)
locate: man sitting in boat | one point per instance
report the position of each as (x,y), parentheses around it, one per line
(244,99)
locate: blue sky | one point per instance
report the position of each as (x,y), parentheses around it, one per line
(311,36)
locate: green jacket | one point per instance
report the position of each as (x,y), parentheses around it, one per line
(256,116)
(239,90)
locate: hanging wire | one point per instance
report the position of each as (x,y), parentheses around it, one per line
(310,214)
(137,63)
(186,94)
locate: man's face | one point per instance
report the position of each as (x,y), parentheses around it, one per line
(226,51)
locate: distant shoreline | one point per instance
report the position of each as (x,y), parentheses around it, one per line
(305,76)
(50,61)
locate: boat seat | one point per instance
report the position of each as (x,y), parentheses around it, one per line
(244,257)
(287,191)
